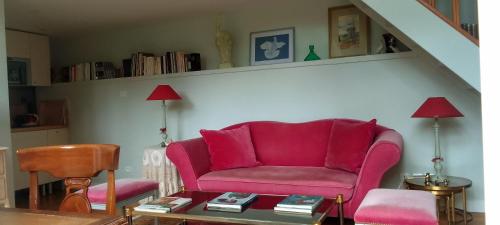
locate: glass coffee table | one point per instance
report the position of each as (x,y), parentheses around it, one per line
(259,212)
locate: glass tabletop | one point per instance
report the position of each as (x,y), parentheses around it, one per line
(454,183)
(260,211)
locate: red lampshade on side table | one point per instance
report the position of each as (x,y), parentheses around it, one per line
(437,107)
(164,92)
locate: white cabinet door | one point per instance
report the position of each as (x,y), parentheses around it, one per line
(40,60)
(57,136)
(25,140)
(17,44)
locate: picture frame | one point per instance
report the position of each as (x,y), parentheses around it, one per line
(348,31)
(272,46)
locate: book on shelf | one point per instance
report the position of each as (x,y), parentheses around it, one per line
(127,67)
(299,204)
(163,205)
(231,202)
(145,64)
(88,71)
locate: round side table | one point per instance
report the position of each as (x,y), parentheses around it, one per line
(158,167)
(456,185)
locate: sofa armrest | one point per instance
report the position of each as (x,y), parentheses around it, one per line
(192,160)
(384,153)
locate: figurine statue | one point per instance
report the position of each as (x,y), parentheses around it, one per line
(224,44)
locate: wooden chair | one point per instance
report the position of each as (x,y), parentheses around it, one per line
(76,164)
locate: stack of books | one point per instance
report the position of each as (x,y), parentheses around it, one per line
(231,202)
(301,204)
(163,205)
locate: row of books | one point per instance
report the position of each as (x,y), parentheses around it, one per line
(236,202)
(143,64)
(88,71)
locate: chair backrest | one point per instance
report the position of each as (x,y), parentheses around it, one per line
(76,164)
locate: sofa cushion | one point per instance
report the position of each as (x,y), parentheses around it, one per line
(282,180)
(348,144)
(290,144)
(230,148)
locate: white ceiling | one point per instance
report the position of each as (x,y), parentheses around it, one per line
(64,17)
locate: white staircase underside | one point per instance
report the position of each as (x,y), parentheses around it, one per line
(421,30)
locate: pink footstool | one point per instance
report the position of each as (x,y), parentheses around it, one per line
(397,207)
(127,191)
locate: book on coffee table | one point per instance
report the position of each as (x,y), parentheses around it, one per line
(299,204)
(163,205)
(231,202)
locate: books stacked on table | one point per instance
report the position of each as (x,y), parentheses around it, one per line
(231,202)
(302,204)
(163,205)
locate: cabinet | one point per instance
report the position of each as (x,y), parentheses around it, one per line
(35,48)
(33,139)
(17,44)
(4,195)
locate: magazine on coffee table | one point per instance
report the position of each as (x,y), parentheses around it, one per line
(231,202)
(299,204)
(163,205)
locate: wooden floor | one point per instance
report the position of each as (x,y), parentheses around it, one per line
(51,202)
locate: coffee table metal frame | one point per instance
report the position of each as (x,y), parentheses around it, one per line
(338,201)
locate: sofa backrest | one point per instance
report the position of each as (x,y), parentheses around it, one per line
(292,144)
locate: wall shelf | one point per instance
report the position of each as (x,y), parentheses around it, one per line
(345,60)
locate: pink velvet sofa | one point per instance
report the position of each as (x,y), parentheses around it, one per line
(292,157)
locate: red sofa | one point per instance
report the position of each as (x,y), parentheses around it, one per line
(292,157)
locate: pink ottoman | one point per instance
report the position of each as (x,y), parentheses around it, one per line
(127,191)
(397,207)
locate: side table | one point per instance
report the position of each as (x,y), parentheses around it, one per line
(456,185)
(158,167)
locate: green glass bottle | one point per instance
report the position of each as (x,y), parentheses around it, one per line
(311,56)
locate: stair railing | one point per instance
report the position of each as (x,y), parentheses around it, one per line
(455,18)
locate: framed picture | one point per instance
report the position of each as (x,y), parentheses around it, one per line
(348,30)
(270,47)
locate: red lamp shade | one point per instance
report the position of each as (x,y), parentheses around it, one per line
(437,107)
(164,92)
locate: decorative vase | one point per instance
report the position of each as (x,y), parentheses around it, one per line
(312,55)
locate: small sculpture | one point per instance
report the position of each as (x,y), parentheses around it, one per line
(427,179)
(387,44)
(224,44)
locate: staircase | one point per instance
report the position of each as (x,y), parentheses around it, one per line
(419,25)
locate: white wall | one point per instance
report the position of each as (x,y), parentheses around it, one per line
(390,90)
(4,103)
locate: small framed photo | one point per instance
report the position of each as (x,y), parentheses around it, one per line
(270,47)
(348,30)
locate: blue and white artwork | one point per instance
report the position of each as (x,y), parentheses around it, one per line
(272,47)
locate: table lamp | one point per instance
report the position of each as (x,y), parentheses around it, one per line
(164,92)
(437,107)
